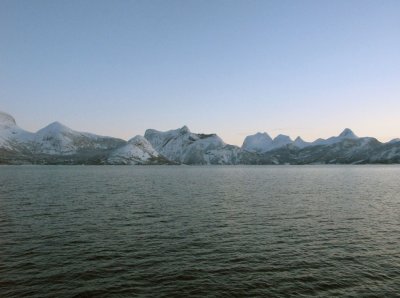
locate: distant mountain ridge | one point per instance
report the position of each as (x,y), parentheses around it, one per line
(58,144)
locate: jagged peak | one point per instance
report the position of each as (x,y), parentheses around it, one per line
(348,133)
(300,143)
(299,139)
(7,119)
(184,129)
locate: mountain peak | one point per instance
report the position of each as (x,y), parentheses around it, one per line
(282,137)
(58,125)
(54,127)
(300,143)
(263,135)
(259,142)
(184,129)
(299,139)
(348,133)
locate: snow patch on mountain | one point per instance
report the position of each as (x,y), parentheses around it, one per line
(6,120)
(137,151)
(12,137)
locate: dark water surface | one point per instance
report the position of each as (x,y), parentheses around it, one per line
(178,231)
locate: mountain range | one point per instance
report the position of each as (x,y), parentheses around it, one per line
(58,144)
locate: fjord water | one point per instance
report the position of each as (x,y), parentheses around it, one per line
(180,231)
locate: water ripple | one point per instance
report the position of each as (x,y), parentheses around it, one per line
(199,231)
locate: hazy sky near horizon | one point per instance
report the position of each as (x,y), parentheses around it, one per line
(308,68)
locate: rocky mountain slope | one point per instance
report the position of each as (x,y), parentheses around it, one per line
(53,144)
(183,146)
(138,151)
(58,144)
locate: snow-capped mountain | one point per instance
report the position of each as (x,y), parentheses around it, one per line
(54,143)
(58,144)
(346,134)
(57,139)
(262,142)
(347,147)
(183,146)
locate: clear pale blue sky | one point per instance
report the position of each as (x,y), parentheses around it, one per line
(308,68)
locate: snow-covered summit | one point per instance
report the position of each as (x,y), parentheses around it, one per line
(347,133)
(56,138)
(11,135)
(6,120)
(262,142)
(184,129)
(300,143)
(55,128)
(157,136)
(281,140)
(259,142)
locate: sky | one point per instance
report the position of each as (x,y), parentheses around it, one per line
(299,67)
